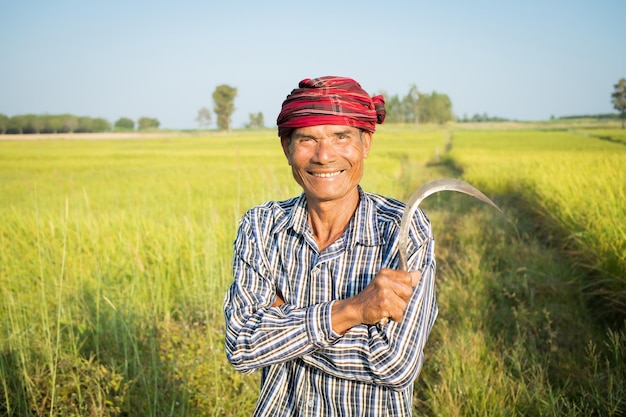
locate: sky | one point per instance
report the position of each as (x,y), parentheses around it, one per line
(527,60)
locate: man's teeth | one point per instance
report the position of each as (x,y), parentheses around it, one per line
(326,174)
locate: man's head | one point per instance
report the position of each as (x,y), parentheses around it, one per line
(330,101)
(326,129)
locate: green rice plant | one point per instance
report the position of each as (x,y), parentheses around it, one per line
(102,242)
(115,258)
(613,135)
(513,332)
(578,183)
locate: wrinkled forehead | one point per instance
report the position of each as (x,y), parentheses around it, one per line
(320,131)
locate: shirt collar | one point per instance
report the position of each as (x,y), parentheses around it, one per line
(363,227)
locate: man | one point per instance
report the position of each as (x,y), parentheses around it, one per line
(315,275)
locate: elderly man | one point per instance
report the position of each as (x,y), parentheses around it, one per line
(315,275)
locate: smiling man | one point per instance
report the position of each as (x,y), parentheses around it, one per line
(314,275)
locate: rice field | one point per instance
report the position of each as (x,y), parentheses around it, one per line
(574,180)
(115,257)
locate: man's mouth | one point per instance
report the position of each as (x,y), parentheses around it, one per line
(326,174)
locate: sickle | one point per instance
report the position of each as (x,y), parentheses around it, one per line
(431,187)
(443,184)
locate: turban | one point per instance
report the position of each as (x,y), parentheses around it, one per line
(330,101)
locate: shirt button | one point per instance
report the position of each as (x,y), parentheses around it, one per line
(310,403)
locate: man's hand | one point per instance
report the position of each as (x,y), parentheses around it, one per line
(279,299)
(386,296)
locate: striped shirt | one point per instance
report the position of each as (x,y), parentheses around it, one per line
(307,368)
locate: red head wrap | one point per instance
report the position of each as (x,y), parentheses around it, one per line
(330,101)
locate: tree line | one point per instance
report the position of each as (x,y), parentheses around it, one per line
(69,123)
(418,107)
(415,107)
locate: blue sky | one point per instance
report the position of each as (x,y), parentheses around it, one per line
(521,60)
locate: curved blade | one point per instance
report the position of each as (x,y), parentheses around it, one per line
(443,184)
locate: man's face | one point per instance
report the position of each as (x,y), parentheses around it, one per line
(327,160)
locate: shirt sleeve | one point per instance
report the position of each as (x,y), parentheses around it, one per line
(389,355)
(257,334)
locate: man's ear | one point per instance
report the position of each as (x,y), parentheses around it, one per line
(285,142)
(366,139)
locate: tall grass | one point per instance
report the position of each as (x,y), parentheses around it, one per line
(114,260)
(514,335)
(107,247)
(115,257)
(577,183)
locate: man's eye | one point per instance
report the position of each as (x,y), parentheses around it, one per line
(305,141)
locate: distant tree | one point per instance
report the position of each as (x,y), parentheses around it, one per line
(70,123)
(84,125)
(100,125)
(224,105)
(480,118)
(28,122)
(4,123)
(393,107)
(435,108)
(204,118)
(411,105)
(599,116)
(618,98)
(145,123)
(35,123)
(417,107)
(54,124)
(17,124)
(441,108)
(124,123)
(46,123)
(256,121)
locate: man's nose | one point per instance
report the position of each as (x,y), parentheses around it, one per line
(325,151)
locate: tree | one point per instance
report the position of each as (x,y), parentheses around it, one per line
(4,123)
(417,107)
(204,118)
(124,123)
(256,121)
(70,123)
(618,98)
(393,107)
(411,104)
(100,125)
(224,105)
(47,123)
(145,123)
(440,108)
(54,124)
(31,125)
(17,124)
(84,125)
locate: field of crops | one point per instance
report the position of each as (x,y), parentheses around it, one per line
(115,257)
(575,180)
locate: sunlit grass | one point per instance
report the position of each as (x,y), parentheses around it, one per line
(577,182)
(115,257)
